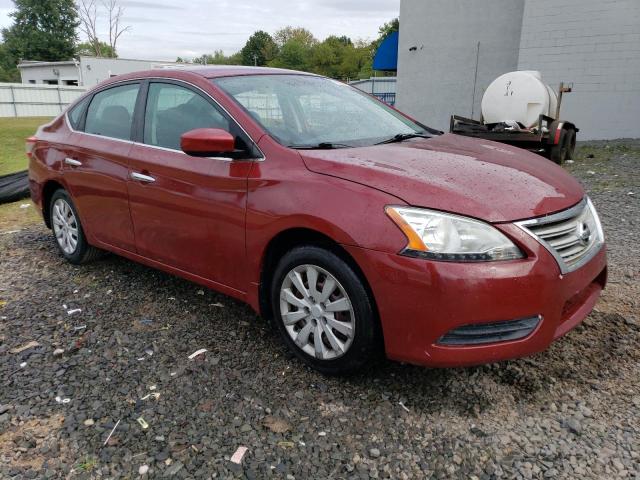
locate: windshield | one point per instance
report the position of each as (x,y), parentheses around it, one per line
(306,111)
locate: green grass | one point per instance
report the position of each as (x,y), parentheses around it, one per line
(87,464)
(13,217)
(13,132)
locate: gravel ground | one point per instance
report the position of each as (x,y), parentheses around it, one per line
(570,412)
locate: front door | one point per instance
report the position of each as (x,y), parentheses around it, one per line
(188,212)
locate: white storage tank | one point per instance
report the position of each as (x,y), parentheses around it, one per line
(521,96)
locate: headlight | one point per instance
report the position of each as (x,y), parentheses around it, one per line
(442,236)
(594,222)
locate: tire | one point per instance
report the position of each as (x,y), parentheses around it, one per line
(571,143)
(67,230)
(360,344)
(558,153)
(14,187)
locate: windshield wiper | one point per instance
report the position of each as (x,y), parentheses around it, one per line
(321,146)
(401,137)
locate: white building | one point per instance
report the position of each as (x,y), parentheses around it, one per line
(450,50)
(86,71)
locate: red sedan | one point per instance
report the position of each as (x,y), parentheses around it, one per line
(356,229)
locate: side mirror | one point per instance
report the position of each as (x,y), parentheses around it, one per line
(207,142)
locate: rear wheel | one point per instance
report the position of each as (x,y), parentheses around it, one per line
(68,231)
(571,143)
(323,311)
(558,152)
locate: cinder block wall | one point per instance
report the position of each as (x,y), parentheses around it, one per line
(438,51)
(596,45)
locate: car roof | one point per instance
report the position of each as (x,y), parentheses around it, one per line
(213,71)
(189,72)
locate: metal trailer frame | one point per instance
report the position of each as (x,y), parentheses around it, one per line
(553,138)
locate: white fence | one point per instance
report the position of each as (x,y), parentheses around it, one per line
(382,87)
(25,100)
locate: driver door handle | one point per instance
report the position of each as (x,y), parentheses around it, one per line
(142,178)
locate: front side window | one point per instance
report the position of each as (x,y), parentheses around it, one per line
(303,110)
(110,112)
(173,110)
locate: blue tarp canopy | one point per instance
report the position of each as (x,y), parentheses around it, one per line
(387,55)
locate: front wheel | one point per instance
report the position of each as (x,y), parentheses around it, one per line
(323,311)
(68,231)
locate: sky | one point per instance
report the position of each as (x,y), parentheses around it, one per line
(166,29)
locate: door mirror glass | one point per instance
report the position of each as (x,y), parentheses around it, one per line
(207,142)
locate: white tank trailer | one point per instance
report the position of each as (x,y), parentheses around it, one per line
(518,108)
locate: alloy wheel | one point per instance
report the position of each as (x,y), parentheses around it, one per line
(65,226)
(317,312)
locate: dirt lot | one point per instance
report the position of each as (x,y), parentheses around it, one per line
(570,412)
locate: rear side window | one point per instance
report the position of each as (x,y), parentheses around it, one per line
(110,113)
(75,114)
(173,110)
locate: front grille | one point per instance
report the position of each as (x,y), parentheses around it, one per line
(572,236)
(490,332)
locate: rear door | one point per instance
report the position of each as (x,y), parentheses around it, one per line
(96,167)
(189,212)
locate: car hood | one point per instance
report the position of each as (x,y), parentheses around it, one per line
(477,178)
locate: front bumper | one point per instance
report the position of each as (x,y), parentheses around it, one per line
(419,301)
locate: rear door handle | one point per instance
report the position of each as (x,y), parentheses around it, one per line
(142,178)
(72,162)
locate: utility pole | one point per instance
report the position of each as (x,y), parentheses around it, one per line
(255,60)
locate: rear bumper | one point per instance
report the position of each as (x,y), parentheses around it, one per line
(419,301)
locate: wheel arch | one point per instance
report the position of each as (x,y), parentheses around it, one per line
(288,239)
(49,188)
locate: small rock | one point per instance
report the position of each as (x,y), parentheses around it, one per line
(374,452)
(586,412)
(617,464)
(276,425)
(574,426)
(58,352)
(173,469)
(143,469)
(88,422)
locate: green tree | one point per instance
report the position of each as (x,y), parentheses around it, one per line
(357,61)
(298,34)
(387,29)
(8,70)
(219,58)
(328,56)
(325,59)
(42,30)
(88,50)
(294,55)
(259,50)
